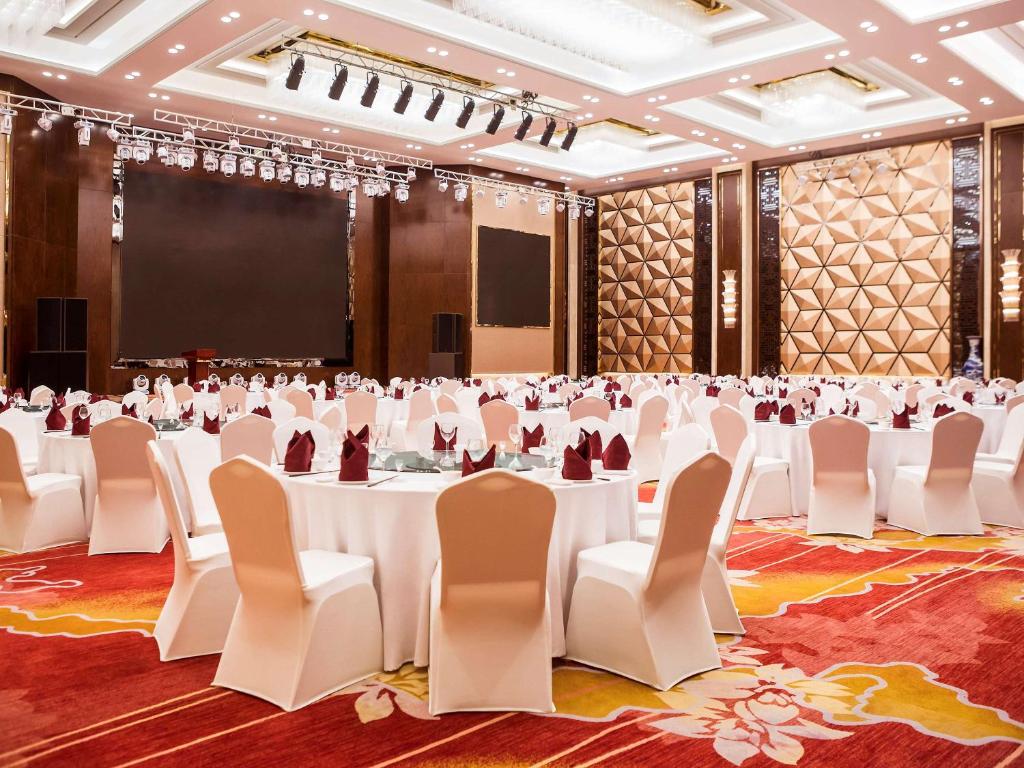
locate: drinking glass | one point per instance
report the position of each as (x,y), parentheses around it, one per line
(447,431)
(516,436)
(384,451)
(546,450)
(399,464)
(476,449)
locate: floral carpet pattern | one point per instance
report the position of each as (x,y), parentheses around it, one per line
(898,651)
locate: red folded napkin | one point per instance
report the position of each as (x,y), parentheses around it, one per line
(211,426)
(439,443)
(942,410)
(299,455)
(1000,399)
(533,403)
(531,439)
(190,413)
(79,425)
(712,391)
(969,398)
(96,398)
(552,388)
(363,435)
(576,466)
(775,407)
(594,438)
(215,387)
(763,412)
(616,456)
(783,392)
(57,401)
(469,466)
(625,402)
(355,460)
(262,410)
(901,419)
(399,392)
(609,387)
(329,393)
(197,387)
(912,410)
(9,403)
(855,408)
(55,419)
(477,382)
(126,411)
(484,399)
(787,414)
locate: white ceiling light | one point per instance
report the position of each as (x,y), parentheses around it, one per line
(21,18)
(815,99)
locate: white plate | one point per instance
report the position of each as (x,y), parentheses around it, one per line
(349,482)
(615,472)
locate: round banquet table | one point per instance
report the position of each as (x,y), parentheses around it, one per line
(994,417)
(553,418)
(394,524)
(887,449)
(61,452)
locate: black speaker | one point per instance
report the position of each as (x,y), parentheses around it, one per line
(75,324)
(57,370)
(448,333)
(48,324)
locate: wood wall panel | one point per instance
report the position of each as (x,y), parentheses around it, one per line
(1008,232)
(730,210)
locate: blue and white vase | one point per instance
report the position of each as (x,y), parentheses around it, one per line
(973,366)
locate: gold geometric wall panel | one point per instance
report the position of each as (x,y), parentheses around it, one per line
(645,291)
(865,262)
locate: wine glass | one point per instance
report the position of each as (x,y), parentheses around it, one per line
(399,463)
(384,451)
(447,431)
(515,435)
(476,449)
(546,450)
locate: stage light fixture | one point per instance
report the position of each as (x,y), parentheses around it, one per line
(211,161)
(284,173)
(84,132)
(277,152)
(7,121)
(461,192)
(468,105)
(570,136)
(124,150)
(142,151)
(372,83)
(187,158)
(402,193)
(247,167)
(589,211)
(337,182)
(318,178)
(340,79)
(295,73)
(302,177)
(442,185)
(549,132)
(352,183)
(544,206)
(404,97)
(560,207)
(45,121)
(380,166)
(496,118)
(435,105)
(479,193)
(501,198)
(410,174)
(524,127)
(267,170)
(113,134)
(574,211)
(228,164)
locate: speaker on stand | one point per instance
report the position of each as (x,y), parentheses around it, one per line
(59,359)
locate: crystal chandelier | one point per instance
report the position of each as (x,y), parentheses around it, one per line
(21,18)
(815,99)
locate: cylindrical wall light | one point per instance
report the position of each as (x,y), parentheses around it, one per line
(1010,295)
(729,298)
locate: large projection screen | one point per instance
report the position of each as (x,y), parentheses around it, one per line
(513,279)
(253,271)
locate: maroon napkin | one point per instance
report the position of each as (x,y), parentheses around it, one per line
(469,466)
(775,407)
(855,409)
(399,393)
(625,402)
(439,444)
(912,410)
(608,387)
(55,419)
(941,410)
(712,391)
(783,392)
(8,404)
(363,435)
(477,382)
(355,460)
(126,411)
(329,393)
(611,399)
(211,426)
(19,392)
(594,438)
(901,419)
(762,412)
(57,401)
(197,387)
(552,388)
(262,410)
(532,439)
(533,403)
(190,413)
(787,414)
(215,387)
(96,399)
(1000,399)
(616,456)
(79,426)
(576,466)
(969,398)
(299,455)
(484,399)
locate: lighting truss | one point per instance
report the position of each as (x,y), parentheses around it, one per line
(569,198)
(14,101)
(361,155)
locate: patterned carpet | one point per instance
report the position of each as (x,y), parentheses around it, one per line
(899,651)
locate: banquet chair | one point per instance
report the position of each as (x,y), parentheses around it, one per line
(307,623)
(999,489)
(1009,442)
(196,615)
(26,434)
(196,454)
(139,399)
(768,493)
(1012,402)
(68,412)
(730,430)
(280,410)
(911,393)
(300,399)
(467,400)
(183,393)
(867,409)
(842,498)
(731,396)
(597,407)
(447,404)
(872,391)
(251,435)
(798,397)
(715,578)
(702,406)
(748,407)
(684,445)
(300,424)
(498,417)
(233,395)
(41,395)
(646,444)
(592,424)
(37,511)
(154,408)
(421,407)
(332,418)
(127,516)
(449,387)
(466,429)
(360,410)
(568,390)
(937,499)
(637,610)
(684,414)
(490,621)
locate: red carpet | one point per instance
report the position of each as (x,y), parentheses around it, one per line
(900,651)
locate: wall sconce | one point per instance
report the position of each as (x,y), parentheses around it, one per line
(729,298)
(1010,295)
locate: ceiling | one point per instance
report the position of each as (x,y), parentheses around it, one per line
(659,88)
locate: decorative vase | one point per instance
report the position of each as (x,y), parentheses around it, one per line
(973,367)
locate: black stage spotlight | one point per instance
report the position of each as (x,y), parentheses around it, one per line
(435,105)
(570,137)
(495,124)
(524,127)
(468,105)
(404,98)
(549,131)
(340,78)
(295,73)
(372,82)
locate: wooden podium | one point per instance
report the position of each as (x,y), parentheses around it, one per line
(199,363)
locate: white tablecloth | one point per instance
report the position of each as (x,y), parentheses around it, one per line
(394,524)
(553,418)
(994,417)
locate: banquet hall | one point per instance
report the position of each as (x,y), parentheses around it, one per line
(493,383)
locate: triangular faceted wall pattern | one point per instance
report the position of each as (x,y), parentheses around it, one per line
(865,267)
(645,293)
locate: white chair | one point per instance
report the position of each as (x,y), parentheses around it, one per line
(592,424)
(281,411)
(842,496)
(768,493)
(1010,442)
(332,418)
(307,623)
(637,610)
(684,445)
(139,399)
(26,434)
(360,410)
(252,435)
(999,490)
(196,454)
(300,424)
(702,406)
(646,445)
(37,511)
(196,615)
(127,516)
(937,499)
(490,622)
(40,395)
(421,408)
(466,430)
